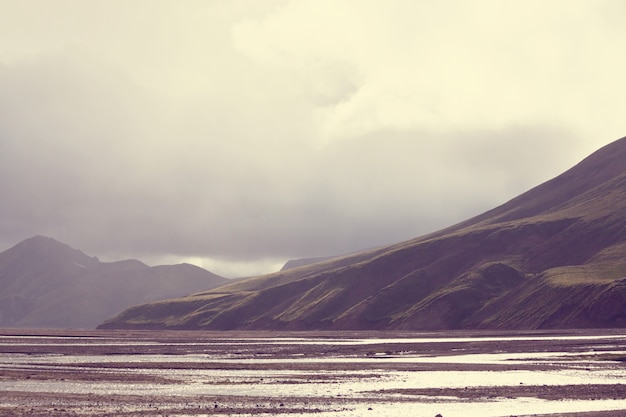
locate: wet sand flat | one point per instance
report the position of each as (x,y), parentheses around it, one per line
(181,373)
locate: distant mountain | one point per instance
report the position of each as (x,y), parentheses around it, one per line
(45,283)
(297,263)
(554,257)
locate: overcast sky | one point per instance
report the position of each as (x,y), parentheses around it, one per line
(239,134)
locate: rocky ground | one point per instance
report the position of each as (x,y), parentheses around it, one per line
(84,345)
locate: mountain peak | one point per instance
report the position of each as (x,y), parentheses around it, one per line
(562,192)
(40,240)
(49,248)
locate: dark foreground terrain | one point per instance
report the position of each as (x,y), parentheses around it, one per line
(120,373)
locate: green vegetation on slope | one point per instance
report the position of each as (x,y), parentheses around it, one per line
(552,257)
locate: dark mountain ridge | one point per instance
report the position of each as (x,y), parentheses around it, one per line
(46,283)
(554,256)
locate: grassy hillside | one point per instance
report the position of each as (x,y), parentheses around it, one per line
(552,257)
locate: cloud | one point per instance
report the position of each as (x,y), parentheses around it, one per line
(241,134)
(447,65)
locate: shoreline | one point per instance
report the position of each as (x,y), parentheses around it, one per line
(49,361)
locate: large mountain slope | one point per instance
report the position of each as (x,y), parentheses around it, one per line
(45,283)
(554,256)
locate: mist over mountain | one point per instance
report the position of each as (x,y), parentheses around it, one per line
(553,257)
(45,283)
(296,263)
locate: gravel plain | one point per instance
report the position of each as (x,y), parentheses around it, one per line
(184,373)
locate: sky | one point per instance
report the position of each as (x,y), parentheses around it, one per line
(238,134)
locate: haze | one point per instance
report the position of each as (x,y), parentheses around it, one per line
(238,134)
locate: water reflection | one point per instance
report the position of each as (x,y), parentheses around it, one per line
(380,380)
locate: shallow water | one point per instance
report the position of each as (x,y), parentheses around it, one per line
(358,388)
(313,383)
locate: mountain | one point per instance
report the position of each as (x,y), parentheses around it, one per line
(45,283)
(296,263)
(553,257)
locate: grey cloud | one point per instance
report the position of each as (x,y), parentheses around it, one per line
(91,160)
(181,134)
